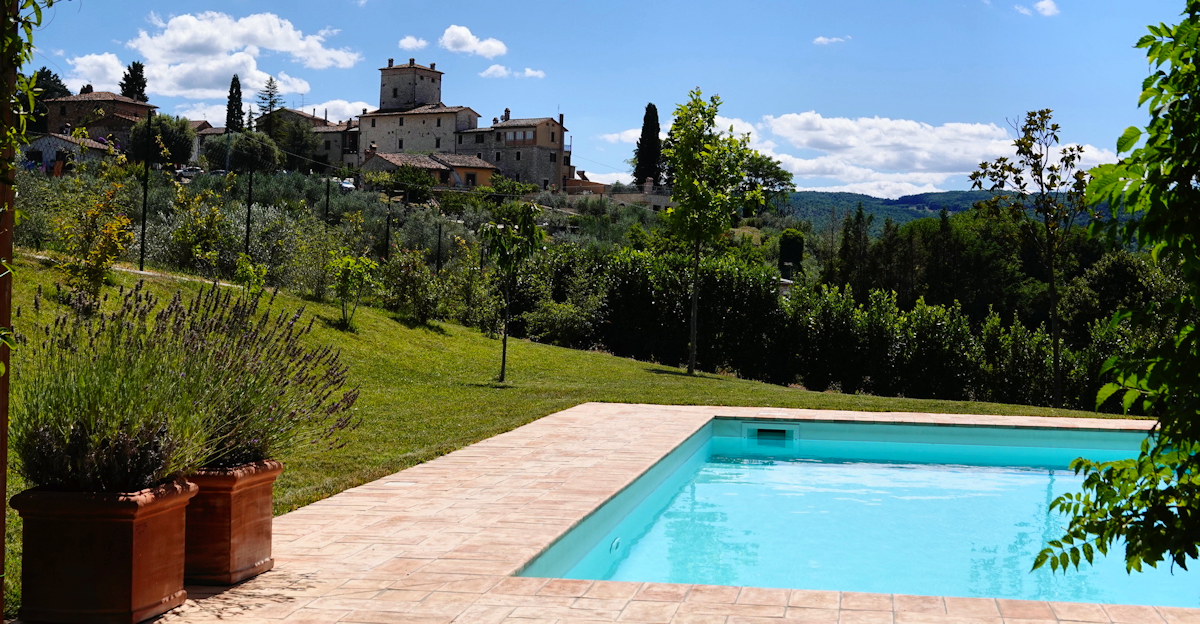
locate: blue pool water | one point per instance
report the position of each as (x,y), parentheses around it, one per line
(950,511)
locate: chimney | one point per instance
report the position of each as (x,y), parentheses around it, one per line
(560,119)
(433,66)
(327,114)
(412,61)
(364,111)
(495,120)
(390,62)
(507,114)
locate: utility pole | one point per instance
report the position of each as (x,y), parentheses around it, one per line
(327,184)
(146,186)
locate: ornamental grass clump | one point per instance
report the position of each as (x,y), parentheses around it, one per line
(147,394)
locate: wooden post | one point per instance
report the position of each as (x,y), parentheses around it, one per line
(8,206)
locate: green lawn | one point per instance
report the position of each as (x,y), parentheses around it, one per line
(429,390)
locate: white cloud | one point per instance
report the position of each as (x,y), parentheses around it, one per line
(412,43)
(500,71)
(1046,7)
(102,71)
(880,156)
(196,111)
(829,40)
(628,136)
(610,178)
(460,39)
(1023,10)
(338,110)
(194,56)
(496,71)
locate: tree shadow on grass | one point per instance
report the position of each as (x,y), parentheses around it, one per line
(494,385)
(413,323)
(680,373)
(338,324)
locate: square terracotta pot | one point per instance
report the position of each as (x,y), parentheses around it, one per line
(100,558)
(229,524)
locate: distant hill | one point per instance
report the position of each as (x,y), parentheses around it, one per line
(817,206)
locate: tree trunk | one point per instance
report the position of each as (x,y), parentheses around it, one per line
(504,338)
(8,174)
(695,308)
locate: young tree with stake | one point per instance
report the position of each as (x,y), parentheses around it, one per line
(511,245)
(709,169)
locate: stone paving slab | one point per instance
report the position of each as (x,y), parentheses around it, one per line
(439,543)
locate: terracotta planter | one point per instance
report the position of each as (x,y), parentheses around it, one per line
(91,558)
(229,524)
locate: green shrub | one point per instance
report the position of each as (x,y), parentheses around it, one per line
(352,277)
(407,285)
(95,235)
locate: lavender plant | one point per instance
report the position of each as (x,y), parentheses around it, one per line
(123,401)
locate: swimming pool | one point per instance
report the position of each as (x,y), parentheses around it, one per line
(884,508)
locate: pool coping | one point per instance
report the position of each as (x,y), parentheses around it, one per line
(440,542)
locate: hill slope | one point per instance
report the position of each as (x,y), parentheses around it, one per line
(818,206)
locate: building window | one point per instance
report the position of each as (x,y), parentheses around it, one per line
(62,110)
(479,155)
(401,121)
(445,177)
(551,136)
(372,122)
(470,179)
(422,77)
(553,157)
(499,135)
(439,122)
(395,92)
(479,137)
(518,155)
(566,160)
(497,156)
(437,143)
(327,146)
(545,184)
(460,139)
(401,145)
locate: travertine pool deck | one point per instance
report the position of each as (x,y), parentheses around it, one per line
(439,542)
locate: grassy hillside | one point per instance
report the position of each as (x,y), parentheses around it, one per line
(427,390)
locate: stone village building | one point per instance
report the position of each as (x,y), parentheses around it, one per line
(103,113)
(411,119)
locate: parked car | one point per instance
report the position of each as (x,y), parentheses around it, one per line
(218,172)
(190,172)
(346,185)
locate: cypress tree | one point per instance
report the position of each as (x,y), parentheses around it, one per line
(233,108)
(133,83)
(647,156)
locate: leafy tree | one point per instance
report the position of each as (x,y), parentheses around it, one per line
(96,235)
(352,277)
(233,107)
(767,174)
(133,83)
(709,170)
(511,244)
(1051,186)
(853,262)
(510,187)
(791,251)
(162,138)
(85,89)
(48,87)
(248,150)
(417,182)
(647,155)
(268,101)
(1149,503)
(298,142)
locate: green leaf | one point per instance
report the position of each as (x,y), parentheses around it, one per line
(1128,139)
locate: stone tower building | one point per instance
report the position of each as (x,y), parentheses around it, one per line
(405,87)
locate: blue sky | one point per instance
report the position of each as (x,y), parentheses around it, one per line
(881,97)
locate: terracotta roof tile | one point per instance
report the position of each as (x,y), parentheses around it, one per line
(463,160)
(420,161)
(88,143)
(101,96)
